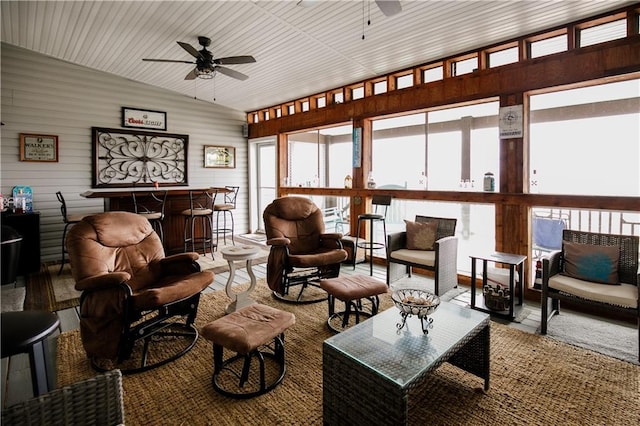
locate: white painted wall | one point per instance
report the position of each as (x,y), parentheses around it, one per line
(49,96)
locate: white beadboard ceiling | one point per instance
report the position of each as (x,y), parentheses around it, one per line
(299,50)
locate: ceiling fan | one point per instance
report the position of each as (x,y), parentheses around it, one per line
(387,7)
(206,64)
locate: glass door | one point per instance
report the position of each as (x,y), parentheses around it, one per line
(265,180)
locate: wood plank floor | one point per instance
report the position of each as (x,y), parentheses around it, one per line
(16,376)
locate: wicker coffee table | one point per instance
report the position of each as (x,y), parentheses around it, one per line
(369,369)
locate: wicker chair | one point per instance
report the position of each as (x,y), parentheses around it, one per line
(94,401)
(622,299)
(443,260)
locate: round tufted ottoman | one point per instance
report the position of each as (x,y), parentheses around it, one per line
(253,332)
(352,289)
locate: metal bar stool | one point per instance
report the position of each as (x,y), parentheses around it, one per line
(226,208)
(380,205)
(68,219)
(200,210)
(150,204)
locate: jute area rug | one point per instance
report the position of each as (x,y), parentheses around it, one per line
(49,291)
(535,380)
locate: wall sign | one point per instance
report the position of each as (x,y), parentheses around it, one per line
(144,119)
(38,147)
(510,120)
(220,157)
(357,147)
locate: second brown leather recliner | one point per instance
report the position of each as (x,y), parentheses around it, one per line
(301,252)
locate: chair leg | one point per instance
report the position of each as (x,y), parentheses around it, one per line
(64,236)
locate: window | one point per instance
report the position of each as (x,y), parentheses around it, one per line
(464,66)
(404,81)
(604,32)
(321,102)
(459,147)
(503,57)
(432,74)
(304,106)
(278,112)
(357,93)
(380,87)
(548,46)
(321,157)
(585,141)
(338,97)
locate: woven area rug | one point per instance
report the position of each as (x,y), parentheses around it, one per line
(535,380)
(49,291)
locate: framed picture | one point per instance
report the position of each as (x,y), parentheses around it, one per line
(38,147)
(220,156)
(144,119)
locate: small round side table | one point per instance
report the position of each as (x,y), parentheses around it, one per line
(25,332)
(232,255)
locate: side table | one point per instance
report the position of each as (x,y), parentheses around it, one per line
(25,332)
(232,255)
(514,261)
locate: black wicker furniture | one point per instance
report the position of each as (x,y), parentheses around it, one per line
(621,298)
(442,260)
(370,369)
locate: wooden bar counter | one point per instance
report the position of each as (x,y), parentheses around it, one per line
(177,201)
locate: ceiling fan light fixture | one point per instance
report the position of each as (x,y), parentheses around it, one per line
(206,74)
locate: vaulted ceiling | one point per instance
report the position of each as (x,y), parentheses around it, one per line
(299,50)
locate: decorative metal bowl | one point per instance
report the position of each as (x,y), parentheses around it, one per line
(420,303)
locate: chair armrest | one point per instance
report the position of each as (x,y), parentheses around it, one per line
(331,240)
(396,241)
(180,257)
(100,282)
(179,264)
(331,236)
(550,266)
(278,241)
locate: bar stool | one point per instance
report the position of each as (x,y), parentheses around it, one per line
(200,209)
(227,207)
(380,205)
(150,204)
(68,219)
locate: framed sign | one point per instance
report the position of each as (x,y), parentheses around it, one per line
(220,156)
(38,147)
(510,122)
(144,119)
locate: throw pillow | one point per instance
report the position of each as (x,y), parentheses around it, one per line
(421,235)
(592,262)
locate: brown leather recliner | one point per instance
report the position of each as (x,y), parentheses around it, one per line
(301,252)
(131,292)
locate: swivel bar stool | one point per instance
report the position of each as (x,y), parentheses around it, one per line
(150,205)
(200,210)
(380,205)
(227,207)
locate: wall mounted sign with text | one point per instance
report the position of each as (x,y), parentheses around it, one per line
(510,121)
(38,147)
(144,119)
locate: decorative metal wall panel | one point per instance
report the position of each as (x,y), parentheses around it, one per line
(125,158)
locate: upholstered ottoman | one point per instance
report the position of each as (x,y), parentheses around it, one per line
(255,331)
(352,290)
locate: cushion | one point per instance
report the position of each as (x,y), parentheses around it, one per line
(590,262)
(421,235)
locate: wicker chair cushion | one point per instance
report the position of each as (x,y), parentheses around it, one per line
(420,257)
(625,295)
(421,235)
(595,263)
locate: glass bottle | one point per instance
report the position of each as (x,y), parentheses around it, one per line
(348,182)
(371,183)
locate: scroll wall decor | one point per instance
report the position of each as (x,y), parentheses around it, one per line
(125,158)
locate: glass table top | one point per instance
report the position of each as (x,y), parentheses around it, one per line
(402,356)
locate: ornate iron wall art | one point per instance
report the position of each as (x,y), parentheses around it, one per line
(124,158)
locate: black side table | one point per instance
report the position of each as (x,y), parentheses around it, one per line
(25,332)
(514,261)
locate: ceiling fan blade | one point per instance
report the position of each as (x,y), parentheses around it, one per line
(231,73)
(193,74)
(168,60)
(189,48)
(232,60)
(389,7)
